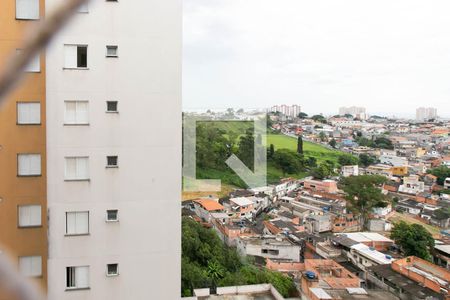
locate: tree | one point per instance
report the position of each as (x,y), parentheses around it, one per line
(271,151)
(383,143)
(246,149)
(333,143)
(288,161)
(311,162)
(363,193)
(348,160)
(441,173)
(413,239)
(323,136)
(319,118)
(366,160)
(322,171)
(302,115)
(300,145)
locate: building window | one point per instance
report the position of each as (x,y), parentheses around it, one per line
(112,270)
(34,66)
(27,9)
(111,51)
(77,223)
(29,164)
(76,112)
(111,106)
(77,168)
(30,266)
(75,56)
(112,215)
(77,277)
(30,215)
(112,161)
(28,113)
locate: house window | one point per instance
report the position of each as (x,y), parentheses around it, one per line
(75,56)
(27,9)
(111,51)
(76,112)
(111,106)
(77,277)
(28,113)
(34,66)
(112,161)
(112,215)
(77,223)
(112,270)
(77,168)
(30,266)
(29,164)
(30,215)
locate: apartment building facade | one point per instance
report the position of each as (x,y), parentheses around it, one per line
(23,217)
(105,168)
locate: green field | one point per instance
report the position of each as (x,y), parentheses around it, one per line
(321,153)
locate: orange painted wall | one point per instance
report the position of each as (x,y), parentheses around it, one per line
(16,139)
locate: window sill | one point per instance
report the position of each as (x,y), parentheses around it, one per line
(37,175)
(76,124)
(77,234)
(112,221)
(112,56)
(76,180)
(80,69)
(28,124)
(29,227)
(24,19)
(112,167)
(111,112)
(77,289)
(112,275)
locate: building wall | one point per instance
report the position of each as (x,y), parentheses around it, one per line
(146,137)
(14,139)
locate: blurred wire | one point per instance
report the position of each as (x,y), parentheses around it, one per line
(51,24)
(10,280)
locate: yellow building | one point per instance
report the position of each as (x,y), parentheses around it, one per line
(23,210)
(400,171)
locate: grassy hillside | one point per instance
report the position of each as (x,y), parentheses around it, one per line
(320,152)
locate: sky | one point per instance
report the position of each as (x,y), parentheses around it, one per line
(388,56)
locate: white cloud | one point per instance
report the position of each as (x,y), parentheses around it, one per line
(390,56)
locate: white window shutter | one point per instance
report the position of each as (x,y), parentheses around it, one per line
(35,164)
(83,168)
(82,112)
(70,56)
(28,113)
(71,168)
(70,112)
(29,164)
(71,223)
(30,215)
(30,266)
(27,9)
(82,277)
(82,223)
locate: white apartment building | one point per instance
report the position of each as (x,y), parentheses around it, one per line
(114,152)
(287,110)
(426,113)
(357,112)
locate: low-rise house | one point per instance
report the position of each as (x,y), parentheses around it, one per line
(364,256)
(412,185)
(204,207)
(328,186)
(242,208)
(346,223)
(370,239)
(410,206)
(379,169)
(393,160)
(347,171)
(441,255)
(318,223)
(273,247)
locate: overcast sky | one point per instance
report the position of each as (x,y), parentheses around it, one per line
(389,56)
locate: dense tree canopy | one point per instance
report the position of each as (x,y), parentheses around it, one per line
(413,239)
(441,173)
(348,160)
(289,161)
(363,193)
(366,160)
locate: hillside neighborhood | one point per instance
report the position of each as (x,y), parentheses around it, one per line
(376,228)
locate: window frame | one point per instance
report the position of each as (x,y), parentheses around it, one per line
(108,166)
(76,288)
(27,19)
(116,47)
(18,103)
(28,226)
(78,178)
(112,220)
(40,275)
(66,123)
(88,223)
(29,175)
(112,274)
(112,111)
(77,67)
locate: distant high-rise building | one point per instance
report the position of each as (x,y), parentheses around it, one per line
(357,112)
(426,113)
(287,110)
